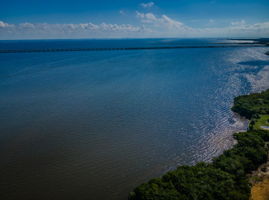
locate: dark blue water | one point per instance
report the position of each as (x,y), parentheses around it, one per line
(93,125)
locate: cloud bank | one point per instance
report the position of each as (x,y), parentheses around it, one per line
(82,30)
(148,25)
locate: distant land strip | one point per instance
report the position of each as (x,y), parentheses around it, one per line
(124,48)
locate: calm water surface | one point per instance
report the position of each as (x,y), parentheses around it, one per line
(93,125)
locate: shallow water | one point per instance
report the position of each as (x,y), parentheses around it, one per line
(93,125)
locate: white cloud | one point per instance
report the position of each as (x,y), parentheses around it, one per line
(170,22)
(147,5)
(162,21)
(239,23)
(146,17)
(4,25)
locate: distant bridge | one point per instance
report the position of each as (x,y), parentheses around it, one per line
(128,48)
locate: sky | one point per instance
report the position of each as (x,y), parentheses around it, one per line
(52,19)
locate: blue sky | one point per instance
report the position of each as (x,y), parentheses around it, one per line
(28,19)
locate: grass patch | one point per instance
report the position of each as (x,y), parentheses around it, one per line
(262,121)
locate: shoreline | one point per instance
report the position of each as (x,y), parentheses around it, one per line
(228,176)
